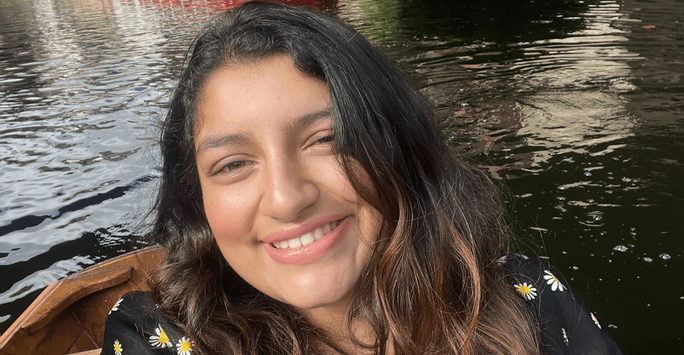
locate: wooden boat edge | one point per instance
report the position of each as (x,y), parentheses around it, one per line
(68,316)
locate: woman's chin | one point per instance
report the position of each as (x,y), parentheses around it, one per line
(312,294)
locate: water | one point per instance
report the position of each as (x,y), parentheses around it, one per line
(574,107)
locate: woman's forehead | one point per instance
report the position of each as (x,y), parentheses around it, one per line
(257,96)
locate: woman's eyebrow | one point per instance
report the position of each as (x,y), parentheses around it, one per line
(219,141)
(230,139)
(309,118)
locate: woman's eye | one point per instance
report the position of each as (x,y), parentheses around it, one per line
(232,166)
(326,139)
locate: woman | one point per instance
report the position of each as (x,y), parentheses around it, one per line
(309,207)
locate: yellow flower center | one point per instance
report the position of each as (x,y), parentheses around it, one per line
(163,338)
(554,278)
(524,289)
(117,348)
(185,346)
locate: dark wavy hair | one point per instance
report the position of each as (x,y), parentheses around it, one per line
(431,286)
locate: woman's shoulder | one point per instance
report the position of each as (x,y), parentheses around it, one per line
(535,280)
(135,326)
(567,323)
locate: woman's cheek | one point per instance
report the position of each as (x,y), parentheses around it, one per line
(226,215)
(348,192)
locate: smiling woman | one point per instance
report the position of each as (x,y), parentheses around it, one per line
(283,213)
(308,206)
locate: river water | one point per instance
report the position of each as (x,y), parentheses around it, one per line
(575,107)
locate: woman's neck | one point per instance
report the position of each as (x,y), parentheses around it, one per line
(334,321)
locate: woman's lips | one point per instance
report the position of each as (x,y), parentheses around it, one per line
(307,238)
(307,247)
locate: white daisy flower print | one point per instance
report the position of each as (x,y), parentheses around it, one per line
(184,347)
(593,317)
(501,260)
(161,340)
(526,291)
(565,337)
(117,347)
(116,306)
(553,281)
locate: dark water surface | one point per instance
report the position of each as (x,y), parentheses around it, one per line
(576,107)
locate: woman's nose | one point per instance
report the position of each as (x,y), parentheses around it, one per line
(288,190)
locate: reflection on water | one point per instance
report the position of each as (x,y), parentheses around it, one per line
(557,95)
(576,107)
(583,77)
(81,85)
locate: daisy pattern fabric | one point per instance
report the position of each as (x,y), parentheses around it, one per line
(135,327)
(567,324)
(526,291)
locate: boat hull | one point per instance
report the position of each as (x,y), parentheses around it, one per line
(68,317)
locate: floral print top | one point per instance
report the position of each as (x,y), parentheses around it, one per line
(567,324)
(134,327)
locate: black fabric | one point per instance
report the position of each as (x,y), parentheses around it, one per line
(135,327)
(567,324)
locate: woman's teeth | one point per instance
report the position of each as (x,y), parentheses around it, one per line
(307,238)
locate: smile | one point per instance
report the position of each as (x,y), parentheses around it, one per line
(307,238)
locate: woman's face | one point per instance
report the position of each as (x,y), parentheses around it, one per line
(281,209)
